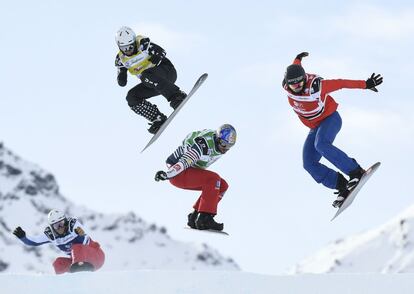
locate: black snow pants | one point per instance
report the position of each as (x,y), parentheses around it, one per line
(158,80)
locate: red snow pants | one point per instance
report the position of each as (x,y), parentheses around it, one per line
(91,253)
(211,184)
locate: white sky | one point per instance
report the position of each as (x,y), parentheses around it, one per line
(62,109)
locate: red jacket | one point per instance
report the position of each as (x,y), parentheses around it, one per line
(314,103)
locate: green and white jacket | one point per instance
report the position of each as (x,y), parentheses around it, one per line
(198,150)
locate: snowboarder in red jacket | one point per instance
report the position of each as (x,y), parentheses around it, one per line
(308,94)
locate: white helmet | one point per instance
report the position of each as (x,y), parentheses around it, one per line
(125,38)
(55,216)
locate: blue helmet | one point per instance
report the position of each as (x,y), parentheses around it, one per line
(226,137)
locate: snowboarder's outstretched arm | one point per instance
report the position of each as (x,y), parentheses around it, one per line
(32,240)
(298,58)
(328,86)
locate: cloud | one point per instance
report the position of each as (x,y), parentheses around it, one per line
(168,38)
(259,74)
(335,66)
(362,21)
(373,22)
(379,125)
(374,119)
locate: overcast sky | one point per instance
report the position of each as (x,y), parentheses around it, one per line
(61,108)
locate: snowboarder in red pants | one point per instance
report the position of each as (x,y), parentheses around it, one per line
(187,170)
(69,236)
(309,96)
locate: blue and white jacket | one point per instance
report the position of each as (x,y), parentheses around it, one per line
(63,242)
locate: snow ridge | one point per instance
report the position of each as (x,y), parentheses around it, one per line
(386,249)
(28,192)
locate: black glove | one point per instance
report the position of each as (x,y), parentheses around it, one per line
(122,76)
(161,176)
(373,81)
(301,55)
(19,233)
(144,43)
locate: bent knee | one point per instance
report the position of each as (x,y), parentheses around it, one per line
(133,100)
(223,185)
(309,165)
(213,179)
(322,146)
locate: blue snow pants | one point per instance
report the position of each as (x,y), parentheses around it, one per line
(318,144)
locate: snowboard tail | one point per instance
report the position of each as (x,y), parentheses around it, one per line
(209,231)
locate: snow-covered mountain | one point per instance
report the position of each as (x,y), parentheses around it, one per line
(27,193)
(386,249)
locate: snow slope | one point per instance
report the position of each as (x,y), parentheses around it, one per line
(199,282)
(386,249)
(28,192)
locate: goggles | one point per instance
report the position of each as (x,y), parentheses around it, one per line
(59,225)
(224,145)
(127,48)
(296,86)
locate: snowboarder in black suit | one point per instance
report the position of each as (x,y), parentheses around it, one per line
(147,61)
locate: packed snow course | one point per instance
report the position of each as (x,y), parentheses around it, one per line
(199,282)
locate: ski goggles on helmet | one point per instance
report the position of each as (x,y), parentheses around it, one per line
(127,48)
(59,225)
(224,144)
(296,87)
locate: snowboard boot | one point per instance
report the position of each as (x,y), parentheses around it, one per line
(156,124)
(342,193)
(192,219)
(176,99)
(81,267)
(354,177)
(205,221)
(150,112)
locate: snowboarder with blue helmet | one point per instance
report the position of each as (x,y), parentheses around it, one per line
(187,169)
